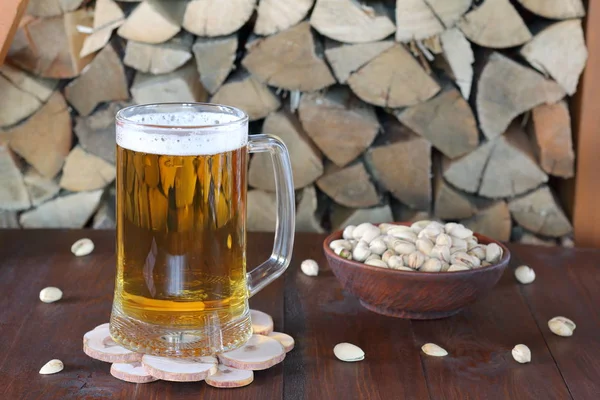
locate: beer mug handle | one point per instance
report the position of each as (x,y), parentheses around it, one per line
(281,256)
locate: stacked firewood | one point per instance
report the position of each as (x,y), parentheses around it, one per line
(456,110)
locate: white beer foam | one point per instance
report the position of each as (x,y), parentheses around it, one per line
(181,138)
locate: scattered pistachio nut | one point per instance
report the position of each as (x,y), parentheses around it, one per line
(50,294)
(310,267)
(524,274)
(432,349)
(562,326)
(82,247)
(52,367)
(348,352)
(521,353)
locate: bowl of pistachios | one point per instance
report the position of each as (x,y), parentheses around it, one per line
(419,270)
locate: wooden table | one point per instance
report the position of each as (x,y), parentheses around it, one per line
(318,314)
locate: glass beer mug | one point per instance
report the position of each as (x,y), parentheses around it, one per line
(181,287)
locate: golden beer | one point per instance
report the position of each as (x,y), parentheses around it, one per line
(181,284)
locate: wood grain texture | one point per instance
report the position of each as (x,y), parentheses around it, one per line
(480,364)
(12,13)
(26,270)
(574,295)
(318,314)
(585,189)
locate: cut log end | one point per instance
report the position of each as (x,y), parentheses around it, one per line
(555,9)
(393,79)
(274,60)
(131,372)
(228,377)
(286,340)
(259,353)
(350,186)
(349,22)
(179,369)
(262,323)
(217,18)
(493,221)
(495,24)
(277,15)
(99,345)
(540,212)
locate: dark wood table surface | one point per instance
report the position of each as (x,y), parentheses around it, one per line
(318,314)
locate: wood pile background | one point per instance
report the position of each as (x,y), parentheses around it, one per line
(392,110)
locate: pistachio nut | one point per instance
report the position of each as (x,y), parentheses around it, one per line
(431,265)
(424,245)
(376,263)
(377,246)
(561,326)
(524,274)
(416,260)
(493,253)
(347,233)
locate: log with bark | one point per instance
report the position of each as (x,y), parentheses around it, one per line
(103,80)
(215,58)
(289,60)
(340,124)
(182,85)
(22,94)
(350,22)
(555,9)
(448,202)
(40,188)
(153,22)
(84,171)
(344,59)
(403,165)
(550,132)
(507,89)
(278,15)
(13,193)
(52,8)
(305,158)
(44,140)
(446,120)
(495,24)
(96,132)
(217,17)
(261,208)
(342,216)
(51,47)
(559,51)
(459,56)
(350,186)
(503,167)
(421,19)
(159,58)
(306,218)
(540,212)
(107,17)
(70,211)
(493,221)
(393,79)
(244,91)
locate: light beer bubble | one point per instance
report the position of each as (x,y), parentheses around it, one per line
(182,133)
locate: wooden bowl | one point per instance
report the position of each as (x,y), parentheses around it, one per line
(414,295)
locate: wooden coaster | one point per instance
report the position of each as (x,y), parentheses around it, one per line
(180,369)
(262,323)
(286,340)
(260,352)
(228,377)
(98,344)
(131,372)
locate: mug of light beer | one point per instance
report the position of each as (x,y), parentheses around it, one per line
(181,287)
